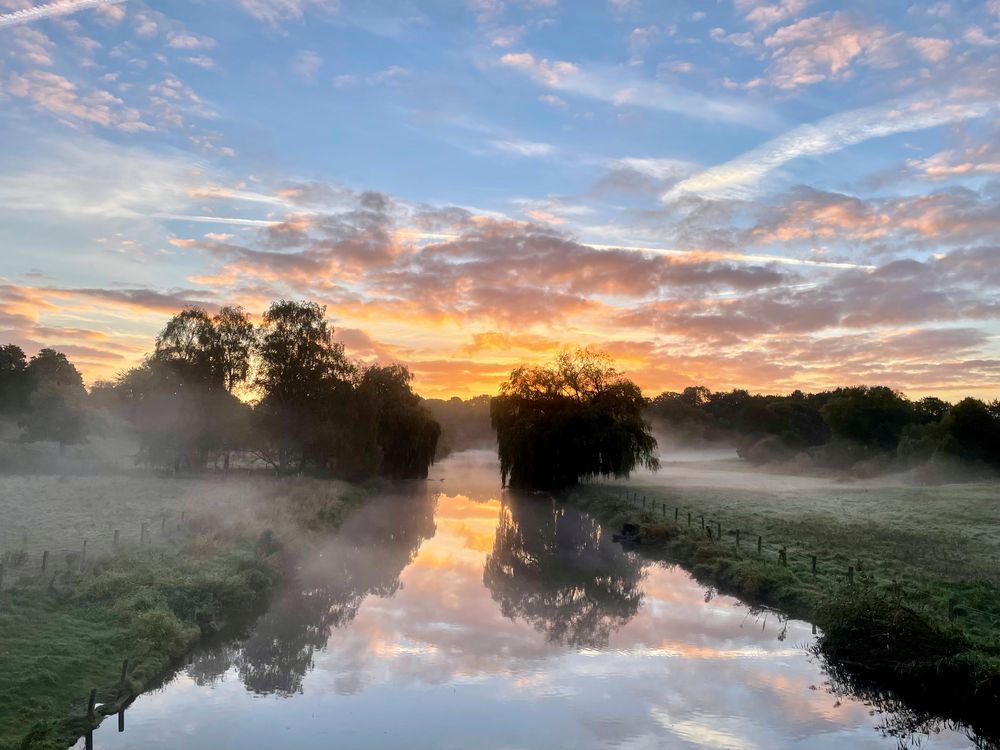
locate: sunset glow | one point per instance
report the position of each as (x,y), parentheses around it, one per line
(769,195)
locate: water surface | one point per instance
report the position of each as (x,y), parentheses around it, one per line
(450,614)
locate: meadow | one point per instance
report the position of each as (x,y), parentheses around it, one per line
(212,550)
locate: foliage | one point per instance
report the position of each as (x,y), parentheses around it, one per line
(405,431)
(839,427)
(56,408)
(572,420)
(14,382)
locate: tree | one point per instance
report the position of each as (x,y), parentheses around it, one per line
(305,379)
(189,340)
(874,416)
(574,419)
(405,432)
(57,404)
(237,341)
(14,382)
(975,431)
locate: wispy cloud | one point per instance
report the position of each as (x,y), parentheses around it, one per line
(28,15)
(738,177)
(622,89)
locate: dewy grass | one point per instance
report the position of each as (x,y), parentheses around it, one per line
(906,587)
(67,632)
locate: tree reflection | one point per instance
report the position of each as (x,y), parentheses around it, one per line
(553,567)
(364,558)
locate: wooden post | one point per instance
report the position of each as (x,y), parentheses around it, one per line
(702,522)
(664,510)
(718,528)
(83,555)
(689,518)
(90,706)
(163,522)
(760,543)
(142,533)
(850,574)
(121,719)
(45,560)
(677,513)
(1,577)
(814,564)
(121,681)
(117,532)
(783,556)
(737,538)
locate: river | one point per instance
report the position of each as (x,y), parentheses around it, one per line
(451,614)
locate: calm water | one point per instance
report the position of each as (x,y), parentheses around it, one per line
(449,614)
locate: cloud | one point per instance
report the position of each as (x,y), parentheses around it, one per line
(929,48)
(307,64)
(523,148)
(824,48)
(762,15)
(50,10)
(276,12)
(59,96)
(741,176)
(621,89)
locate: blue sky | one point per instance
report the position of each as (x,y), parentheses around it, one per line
(736,193)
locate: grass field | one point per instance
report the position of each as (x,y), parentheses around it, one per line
(214,549)
(923,611)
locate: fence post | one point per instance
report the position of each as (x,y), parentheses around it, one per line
(83,555)
(850,574)
(117,532)
(90,705)
(677,513)
(718,527)
(142,533)
(689,518)
(760,543)
(45,560)
(163,522)
(702,522)
(814,564)
(737,538)
(121,681)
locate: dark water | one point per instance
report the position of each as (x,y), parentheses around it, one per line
(447,614)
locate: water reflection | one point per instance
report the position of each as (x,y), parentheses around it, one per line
(441,617)
(365,559)
(552,567)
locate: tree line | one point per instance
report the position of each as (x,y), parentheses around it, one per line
(840,425)
(306,406)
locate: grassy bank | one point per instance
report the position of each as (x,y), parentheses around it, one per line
(67,631)
(906,585)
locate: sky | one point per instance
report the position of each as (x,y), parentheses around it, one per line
(767,195)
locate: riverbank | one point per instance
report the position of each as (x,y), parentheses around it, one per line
(68,629)
(903,581)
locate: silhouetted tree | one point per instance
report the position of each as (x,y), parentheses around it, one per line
(873,416)
(306,383)
(571,420)
(237,341)
(406,433)
(15,384)
(57,404)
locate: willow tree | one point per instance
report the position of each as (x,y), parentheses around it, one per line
(574,419)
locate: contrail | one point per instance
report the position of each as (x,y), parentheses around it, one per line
(27,15)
